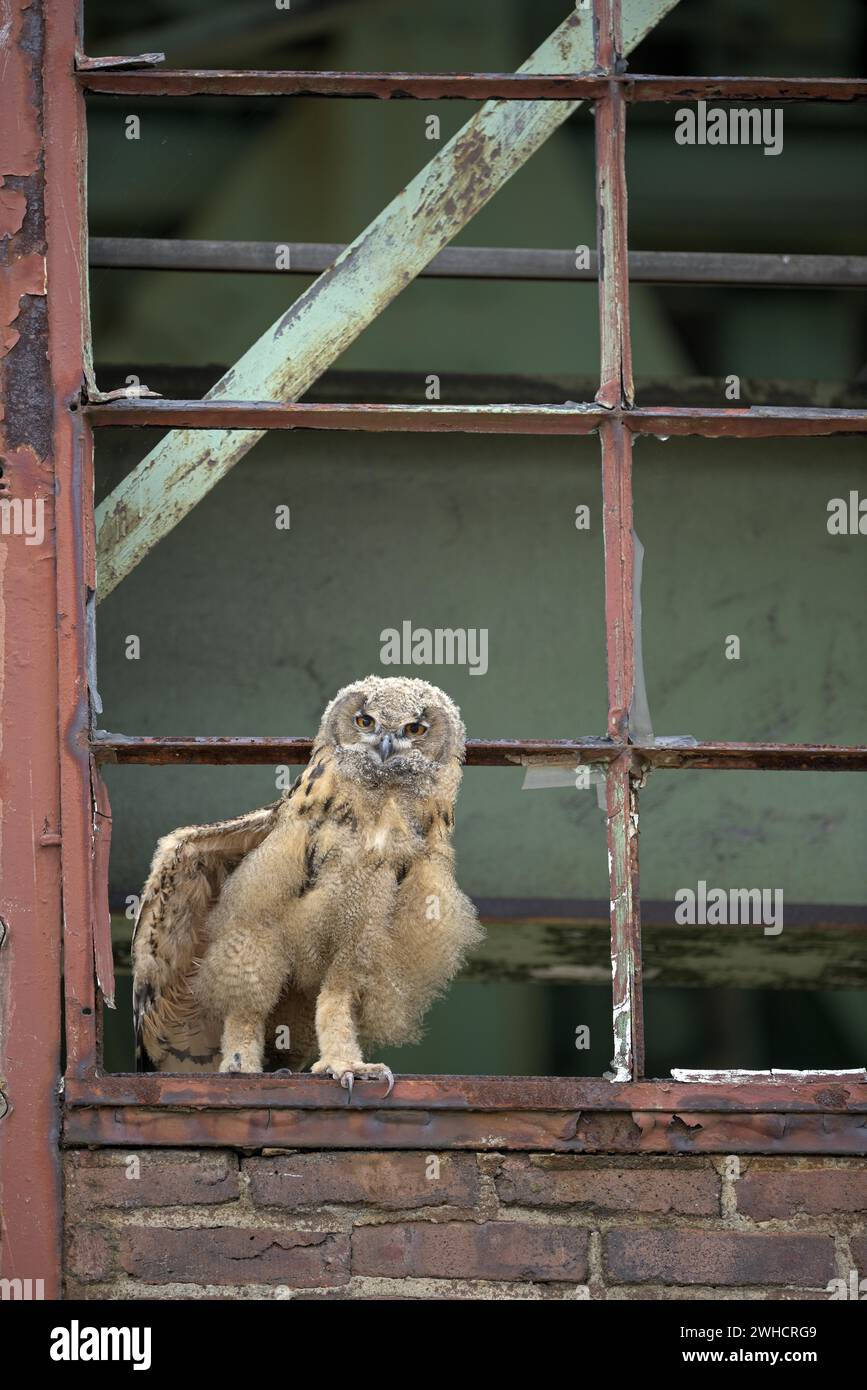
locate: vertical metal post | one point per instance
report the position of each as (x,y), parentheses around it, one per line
(616,392)
(616,386)
(30,812)
(83,804)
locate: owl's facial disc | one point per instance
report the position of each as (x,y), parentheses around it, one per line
(389,747)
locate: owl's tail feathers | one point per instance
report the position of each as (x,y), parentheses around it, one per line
(189,868)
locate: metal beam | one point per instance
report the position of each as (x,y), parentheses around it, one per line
(781,1093)
(487,263)
(742,422)
(636,1132)
(779,757)
(525,85)
(45,822)
(370,273)
(807,1113)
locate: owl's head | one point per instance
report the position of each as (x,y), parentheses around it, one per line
(393,731)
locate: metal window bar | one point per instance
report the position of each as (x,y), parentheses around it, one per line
(487,263)
(510,86)
(820,1112)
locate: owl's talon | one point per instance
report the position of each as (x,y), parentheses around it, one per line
(362,1071)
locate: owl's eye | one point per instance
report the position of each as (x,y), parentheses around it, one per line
(364,721)
(415,729)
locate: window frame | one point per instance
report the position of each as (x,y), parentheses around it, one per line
(740,1113)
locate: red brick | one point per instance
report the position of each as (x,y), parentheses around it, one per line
(688,1189)
(465,1250)
(165,1179)
(89,1255)
(232,1255)
(712,1257)
(386,1180)
(769,1190)
(858,1245)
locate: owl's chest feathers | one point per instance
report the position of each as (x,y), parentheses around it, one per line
(384,835)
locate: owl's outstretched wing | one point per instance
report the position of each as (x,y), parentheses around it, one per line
(188,871)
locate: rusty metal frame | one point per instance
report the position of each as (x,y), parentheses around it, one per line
(471,86)
(503,752)
(48,807)
(738,422)
(770,1113)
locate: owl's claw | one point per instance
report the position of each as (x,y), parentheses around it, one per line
(363,1071)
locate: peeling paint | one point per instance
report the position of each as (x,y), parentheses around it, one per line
(24,275)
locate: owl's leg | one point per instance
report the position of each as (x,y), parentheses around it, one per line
(240,980)
(339,1048)
(243,1042)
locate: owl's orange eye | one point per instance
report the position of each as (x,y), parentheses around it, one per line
(415,729)
(364,721)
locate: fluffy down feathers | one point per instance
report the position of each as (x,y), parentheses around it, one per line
(326,922)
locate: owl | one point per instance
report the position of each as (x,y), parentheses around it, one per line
(325,923)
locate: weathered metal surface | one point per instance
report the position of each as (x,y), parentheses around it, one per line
(751,422)
(823,1093)
(616,391)
(741,1077)
(470,86)
(118,61)
(616,385)
(626,963)
(769,757)
(487,262)
(504,752)
(524,85)
(30,812)
(369,274)
(236,414)
(653,87)
(68,344)
(619,564)
(793,757)
(103,953)
(536,1130)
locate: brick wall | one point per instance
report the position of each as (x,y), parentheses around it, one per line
(218,1224)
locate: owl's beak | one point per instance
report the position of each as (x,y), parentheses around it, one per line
(385,746)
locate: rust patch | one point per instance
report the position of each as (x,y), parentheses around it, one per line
(25,275)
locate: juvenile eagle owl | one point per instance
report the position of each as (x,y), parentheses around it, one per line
(325,923)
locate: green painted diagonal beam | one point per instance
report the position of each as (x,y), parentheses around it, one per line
(364,279)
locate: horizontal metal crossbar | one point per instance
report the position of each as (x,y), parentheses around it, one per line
(123,748)
(738,423)
(469,86)
(815,1092)
(486,262)
(813,1114)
